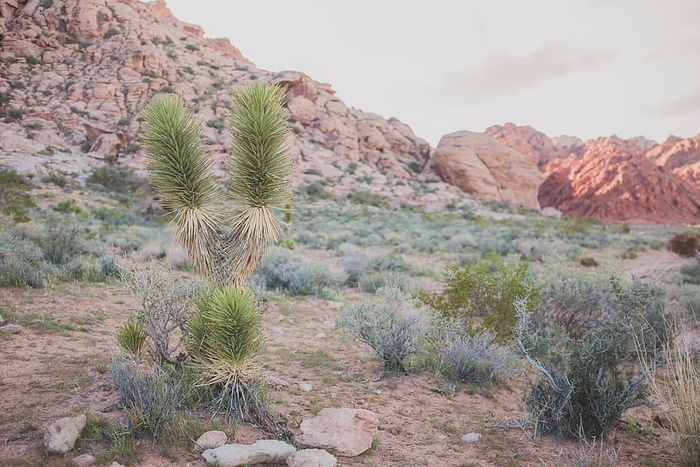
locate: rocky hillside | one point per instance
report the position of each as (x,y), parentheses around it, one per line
(76,72)
(613,179)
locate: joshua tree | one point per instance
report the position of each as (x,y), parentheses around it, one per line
(226,230)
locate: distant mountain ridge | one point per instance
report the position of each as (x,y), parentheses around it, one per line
(76,71)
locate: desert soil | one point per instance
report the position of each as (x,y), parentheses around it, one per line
(47,374)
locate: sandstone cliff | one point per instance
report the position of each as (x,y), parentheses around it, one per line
(613,181)
(487,169)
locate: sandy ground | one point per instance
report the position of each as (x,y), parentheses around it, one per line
(46,374)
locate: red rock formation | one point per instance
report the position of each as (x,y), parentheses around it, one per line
(536,147)
(680,156)
(613,181)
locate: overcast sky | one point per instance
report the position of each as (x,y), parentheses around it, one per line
(586,68)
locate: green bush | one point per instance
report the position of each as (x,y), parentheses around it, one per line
(21,262)
(691,274)
(60,243)
(393,328)
(289,271)
(15,200)
(463,358)
(368,198)
(684,244)
(116,179)
(585,383)
(484,299)
(150,395)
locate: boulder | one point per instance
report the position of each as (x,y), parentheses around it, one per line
(61,435)
(347,431)
(487,169)
(264,450)
(84,460)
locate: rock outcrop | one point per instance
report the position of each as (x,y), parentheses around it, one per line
(77,70)
(487,169)
(613,181)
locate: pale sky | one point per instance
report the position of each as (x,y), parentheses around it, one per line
(585,68)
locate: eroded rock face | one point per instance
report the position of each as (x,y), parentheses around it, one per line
(349,432)
(487,169)
(79,65)
(613,181)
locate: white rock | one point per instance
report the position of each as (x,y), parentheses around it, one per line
(264,450)
(305,387)
(84,460)
(61,435)
(311,458)
(115,464)
(471,437)
(210,440)
(348,431)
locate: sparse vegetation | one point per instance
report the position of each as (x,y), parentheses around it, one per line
(685,244)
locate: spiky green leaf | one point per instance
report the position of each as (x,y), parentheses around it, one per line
(260,166)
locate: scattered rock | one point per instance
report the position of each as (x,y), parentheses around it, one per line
(210,440)
(232,455)
(311,458)
(84,460)
(61,435)
(348,431)
(320,335)
(305,387)
(11,329)
(471,437)
(275,382)
(115,464)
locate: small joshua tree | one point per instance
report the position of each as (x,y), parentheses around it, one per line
(226,230)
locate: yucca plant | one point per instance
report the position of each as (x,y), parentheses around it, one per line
(131,336)
(227,231)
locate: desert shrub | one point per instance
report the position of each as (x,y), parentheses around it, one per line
(15,200)
(390,263)
(691,274)
(577,302)
(377,280)
(60,242)
(315,190)
(116,179)
(21,262)
(679,387)
(481,298)
(588,261)
(162,307)
(586,382)
(392,328)
(150,394)
(291,272)
(368,198)
(464,358)
(355,264)
(684,244)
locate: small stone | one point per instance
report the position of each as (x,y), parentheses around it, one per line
(210,440)
(115,464)
(311,458)
(84,460)
(320,335)
(305,387)
(275,382)
(61,435)
(11,329)
(471,437)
